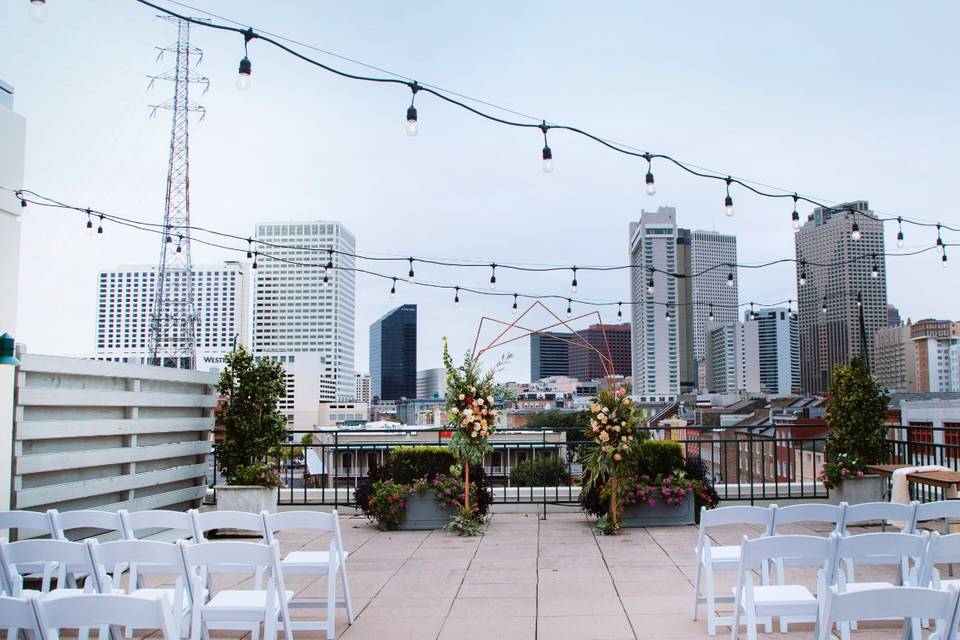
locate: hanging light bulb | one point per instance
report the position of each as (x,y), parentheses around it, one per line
(943,260)
(410,275)
(179,242)
(493,276)
(328,269)
(573,283)
(650,186)
(23,200)
(514,304)
(90,226)
(412,127)
(710,317)
(456,296)
(569,311)
(728,201)
(899,232)
(803,272)
(859,300)
(38,10)
(100,227)
(795,216)
(651,287)
(753,316)
(874,270)
(255,254)
(940,246)
(789,308)
(855,230)
(547,153)
(249,248)
(246,68)
(730,279)
(393,289)
(823,306)
(666,313)
(619,310)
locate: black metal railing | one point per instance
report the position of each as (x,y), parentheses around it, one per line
(747,464)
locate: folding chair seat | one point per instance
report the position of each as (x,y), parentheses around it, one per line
(115,610)
(138,524)
(909,603)
(712,558)
(790,602)
(330,563)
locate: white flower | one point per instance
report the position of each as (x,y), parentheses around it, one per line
(468,412)
(461,396)
(490,399)
(480,401)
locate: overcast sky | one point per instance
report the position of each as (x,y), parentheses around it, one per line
(843,101)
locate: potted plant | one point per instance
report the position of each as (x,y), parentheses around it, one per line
(253,428)
(857,437)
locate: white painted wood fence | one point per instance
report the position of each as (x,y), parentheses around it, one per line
(108,435)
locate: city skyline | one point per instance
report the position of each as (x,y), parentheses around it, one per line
(315,170)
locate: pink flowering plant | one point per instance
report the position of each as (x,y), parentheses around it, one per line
(671,489)
(388,504)
(843,467)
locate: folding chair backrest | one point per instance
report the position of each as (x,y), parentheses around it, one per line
(18,613)
(886,602)
(77,611)
(19,558)
(138,523)
(28,524)
(314,520)
(814,512)
(228,556)
(736,515)
(209,520)
(870,512)
(161,557)
(84,523)
(881,548)
(808,551)
(938,510)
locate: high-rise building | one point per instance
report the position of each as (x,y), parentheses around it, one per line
(896,358)
(611,340)
(125,304)
(841,279)
(393,355)
(301,307)
(893,316)
(431,383)
(712,256)
(937,344)
(549,355)
(653,254)
(733,357)
(362,392)
(687,363)
(779,350)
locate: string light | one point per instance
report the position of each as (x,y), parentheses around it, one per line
(100,228)
(493,276)
(456,296)
(790,309)
(753,315)
(943,259)
(23,201)
(255,254)
(573,283)
(875,270)
(393,289)
(940,246)
(38,10)
(823,307)
(569,311)
(650,186)
(168,240)
(710,317)
(246,68)
(514,304)
(859,300)
(651,287)
(728,201)
(249,248)
(620,310)
(855,229)
(666,313)
(412,126)
(179,241)
(899,232)
(328,269)
(795,216)
(547,153)
(730,279)
(410,276)
(803,272)
(90,225)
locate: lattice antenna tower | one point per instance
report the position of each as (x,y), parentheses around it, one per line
(173,326)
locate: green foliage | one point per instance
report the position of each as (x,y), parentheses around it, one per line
(388,504)
(607,527)
(659,458)
(545,471)
(612,430)
(253,427)
(856,415)
(257,474)
(699,474)
(408,464)
(466,523)
(560,420)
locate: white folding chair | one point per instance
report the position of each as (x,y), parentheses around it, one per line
(31,524)
(712,558)
(115,610)
(236,608)
(819,513)
(940,550)
(206,521)
(139,524)
(867,513)
(894,602)
(159,557)
(84,523)
(940,510)
(19,614)
(789,602)
(314,563)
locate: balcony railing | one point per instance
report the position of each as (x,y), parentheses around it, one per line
(747,464)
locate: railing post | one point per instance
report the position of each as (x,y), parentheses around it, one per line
(336,469)
(750,451)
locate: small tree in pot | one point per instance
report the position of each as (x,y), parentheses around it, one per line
(253,427)
(858,434)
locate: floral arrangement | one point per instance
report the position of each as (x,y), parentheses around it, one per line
(842,467)
(388,504)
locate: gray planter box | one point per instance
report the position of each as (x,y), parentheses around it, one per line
(858,490)
(423,512)
(659,514)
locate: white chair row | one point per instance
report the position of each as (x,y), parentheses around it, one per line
(195,525)
(769,521)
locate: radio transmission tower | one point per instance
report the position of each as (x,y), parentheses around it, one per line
(173,340)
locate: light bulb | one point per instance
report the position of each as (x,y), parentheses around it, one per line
(569,311)
(728,206)
(651,187)
(650,287)
(730,279)
(900,239)
(514,304)
(547,160)
(410,273)
(412,127)
(493,282)
(243,78)
(89,227)
(796,221)
(38,10)
(803,279)
(943,261)
(393,289)
(855,231)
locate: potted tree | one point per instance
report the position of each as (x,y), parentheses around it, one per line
(857,436)
(253,427)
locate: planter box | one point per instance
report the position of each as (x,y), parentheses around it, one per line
(423,512)
(858,490)
(660,514)
(252,499)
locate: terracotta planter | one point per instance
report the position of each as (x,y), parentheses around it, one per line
(660,514)
(423,512)
(858,490)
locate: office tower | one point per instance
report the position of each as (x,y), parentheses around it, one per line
(393,355)
(713,290)
(837,272)
(611,340)
(653,254)
(125,300)
(686,361)
(301,308)
(779,350)
(893,316)
(896,358)
(937,344)
(733,357)
(549,355)
(431,383)
(362,391)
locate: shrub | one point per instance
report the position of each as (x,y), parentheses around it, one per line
(659,458)
(408,464)
(388,504)
(856,416)
(364,490)
(540,472)
(698,474)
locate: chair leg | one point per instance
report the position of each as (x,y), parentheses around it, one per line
(711,602)
(331,605)
(255,633)
(696,590)
(270,626)
(346,593)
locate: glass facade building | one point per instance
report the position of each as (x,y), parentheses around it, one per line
(393,354)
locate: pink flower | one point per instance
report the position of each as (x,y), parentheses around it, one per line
(859,474)
(651,502)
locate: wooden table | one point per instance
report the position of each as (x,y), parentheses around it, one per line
(939,479)
(886,470)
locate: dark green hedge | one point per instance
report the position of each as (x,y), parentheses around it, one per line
(545,471)
(411,463)
(659,457)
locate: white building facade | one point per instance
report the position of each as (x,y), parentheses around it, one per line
(779,350)
(733,357)
(712,255)
(125,305)
(431,383)
(362,387)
